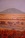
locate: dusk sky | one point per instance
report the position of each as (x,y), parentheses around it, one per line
(18,4)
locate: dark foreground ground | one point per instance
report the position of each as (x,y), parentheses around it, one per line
(11,34)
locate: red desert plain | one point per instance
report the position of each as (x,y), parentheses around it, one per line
(12,25)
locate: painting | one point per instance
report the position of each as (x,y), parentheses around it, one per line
(12,18)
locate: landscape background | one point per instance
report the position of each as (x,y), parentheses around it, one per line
(12,6)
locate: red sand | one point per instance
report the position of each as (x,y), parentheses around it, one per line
(5,33)
(12,34)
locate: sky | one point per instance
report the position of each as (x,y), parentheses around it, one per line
(18,4)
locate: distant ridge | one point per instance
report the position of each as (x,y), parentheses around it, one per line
(12,10)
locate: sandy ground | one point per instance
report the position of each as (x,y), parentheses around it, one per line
(12,21)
